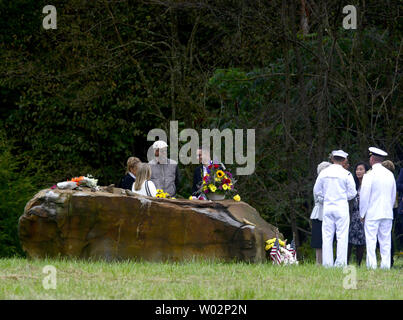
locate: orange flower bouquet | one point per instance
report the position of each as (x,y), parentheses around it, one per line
(87,181)
(77,179)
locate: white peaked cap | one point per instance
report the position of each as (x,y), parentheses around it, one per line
(159,144)
(339,153)
(376,151)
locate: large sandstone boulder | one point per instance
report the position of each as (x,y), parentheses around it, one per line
(114,225)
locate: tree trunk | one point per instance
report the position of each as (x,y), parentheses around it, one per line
(304,18)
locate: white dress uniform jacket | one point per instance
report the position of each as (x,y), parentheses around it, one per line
(334,187)
(378,194)
(377,197)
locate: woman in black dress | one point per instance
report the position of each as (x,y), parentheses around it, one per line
(356,235)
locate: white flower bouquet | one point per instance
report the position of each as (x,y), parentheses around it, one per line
(287,256)
(280,252)
(82,181)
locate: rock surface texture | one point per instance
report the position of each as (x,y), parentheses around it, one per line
(115,225)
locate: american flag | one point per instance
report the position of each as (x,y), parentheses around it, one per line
(292,248)
(275,252)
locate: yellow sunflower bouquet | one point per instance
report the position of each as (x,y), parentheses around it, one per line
(218,181)
(162,194)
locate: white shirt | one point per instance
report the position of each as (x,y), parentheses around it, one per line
(204,171)
(334,187)
(143,191)
(378,194)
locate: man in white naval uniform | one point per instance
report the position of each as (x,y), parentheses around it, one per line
(377,197)
(335,186)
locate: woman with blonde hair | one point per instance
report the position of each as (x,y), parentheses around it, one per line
(128,180)
(143,185)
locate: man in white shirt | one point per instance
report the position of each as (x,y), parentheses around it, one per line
(334,187)
(201,171)
(377,197)
(204,159)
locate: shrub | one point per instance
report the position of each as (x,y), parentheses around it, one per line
(16,189)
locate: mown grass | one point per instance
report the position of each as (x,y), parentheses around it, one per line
(78,279)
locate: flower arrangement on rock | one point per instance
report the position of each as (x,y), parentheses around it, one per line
(82,181)
(87,181)
(162,194)
(218,181)
(281,252)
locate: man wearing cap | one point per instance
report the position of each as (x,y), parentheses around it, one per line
(334,187)
(164,171)
(377,197)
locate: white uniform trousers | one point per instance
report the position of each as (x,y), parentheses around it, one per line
(380,229)
(335,221)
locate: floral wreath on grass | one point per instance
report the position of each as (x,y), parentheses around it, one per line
(280,252)
(217,180)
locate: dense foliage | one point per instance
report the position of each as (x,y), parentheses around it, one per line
(81,99)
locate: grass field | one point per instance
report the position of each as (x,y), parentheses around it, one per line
(22,279)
